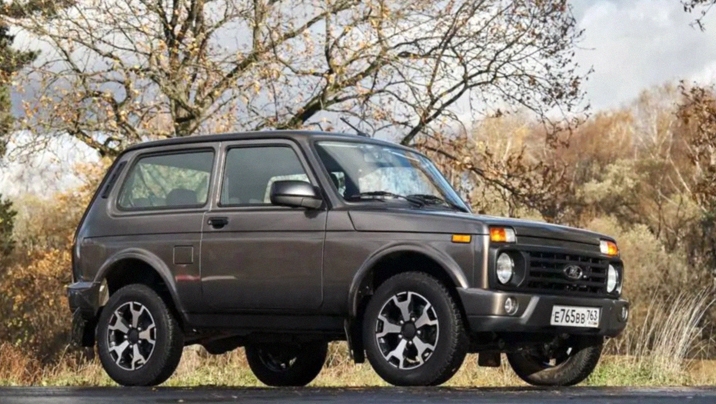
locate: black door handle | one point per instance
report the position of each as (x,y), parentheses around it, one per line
(218,222)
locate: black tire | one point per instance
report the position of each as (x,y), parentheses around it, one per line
(447,335)
(283,365)
(574,362)
(162,357)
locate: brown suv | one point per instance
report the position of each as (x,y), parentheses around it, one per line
(281,242)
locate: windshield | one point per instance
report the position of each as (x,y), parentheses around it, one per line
(364,171)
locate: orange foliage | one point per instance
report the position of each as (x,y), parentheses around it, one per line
(32,286)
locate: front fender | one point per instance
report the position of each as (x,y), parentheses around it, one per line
(449,266)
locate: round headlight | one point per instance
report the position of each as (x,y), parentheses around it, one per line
(612,279)
(505,268)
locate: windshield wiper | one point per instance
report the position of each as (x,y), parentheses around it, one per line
(429,199)
(417,199)
(380,195)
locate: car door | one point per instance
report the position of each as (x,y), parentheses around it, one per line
(258,257)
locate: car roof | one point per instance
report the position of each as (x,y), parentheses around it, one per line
(267,134)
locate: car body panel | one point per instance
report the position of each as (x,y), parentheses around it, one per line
(260,252)
(262,249)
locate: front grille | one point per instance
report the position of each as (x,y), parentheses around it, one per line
(546,273)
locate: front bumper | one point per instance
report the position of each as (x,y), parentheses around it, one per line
(486,313)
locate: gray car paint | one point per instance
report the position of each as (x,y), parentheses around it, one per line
(262,250)
(293,260)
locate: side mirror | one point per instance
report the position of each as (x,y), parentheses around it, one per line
(295,194)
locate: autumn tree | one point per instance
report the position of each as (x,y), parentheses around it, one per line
(122,71)
(697,123)
(506,166)
(11,59)
(10,62)
(697,117)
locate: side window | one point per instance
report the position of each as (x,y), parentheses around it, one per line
(177,180)
(250,171)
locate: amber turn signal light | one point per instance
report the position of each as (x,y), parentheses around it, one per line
(502,235)
(608,248)
(461,238)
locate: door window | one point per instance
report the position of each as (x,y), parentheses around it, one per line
(177,180)
(250,171)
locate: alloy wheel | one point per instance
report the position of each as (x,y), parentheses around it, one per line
(131,336)
(407,330)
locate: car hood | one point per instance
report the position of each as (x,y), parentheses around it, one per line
(434,221)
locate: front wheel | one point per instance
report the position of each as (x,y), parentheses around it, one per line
(287,364)
(565,365)
(413,331)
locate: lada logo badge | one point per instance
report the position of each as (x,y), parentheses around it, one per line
(573,272)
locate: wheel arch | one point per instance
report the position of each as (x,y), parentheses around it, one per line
(431,261)
(133,266)
(440,264)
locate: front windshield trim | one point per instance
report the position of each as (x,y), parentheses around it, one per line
(427,168)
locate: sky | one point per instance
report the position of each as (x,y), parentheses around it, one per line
(636,44)
(631,45)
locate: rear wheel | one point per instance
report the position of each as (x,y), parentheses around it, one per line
(413,331)
(139,341)
(565,365)
(287,364)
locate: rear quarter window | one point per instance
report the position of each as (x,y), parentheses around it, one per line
(168,181)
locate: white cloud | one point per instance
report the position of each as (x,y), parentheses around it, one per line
(707,75)
(633,45)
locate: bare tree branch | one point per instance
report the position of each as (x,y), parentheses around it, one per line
(123,71)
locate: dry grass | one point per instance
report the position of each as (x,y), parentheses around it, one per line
(16,367)
(231,370)
(200,369)
(661,346)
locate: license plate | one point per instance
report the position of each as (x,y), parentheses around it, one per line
(571,316)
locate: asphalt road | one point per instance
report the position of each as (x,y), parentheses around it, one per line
(357,396)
